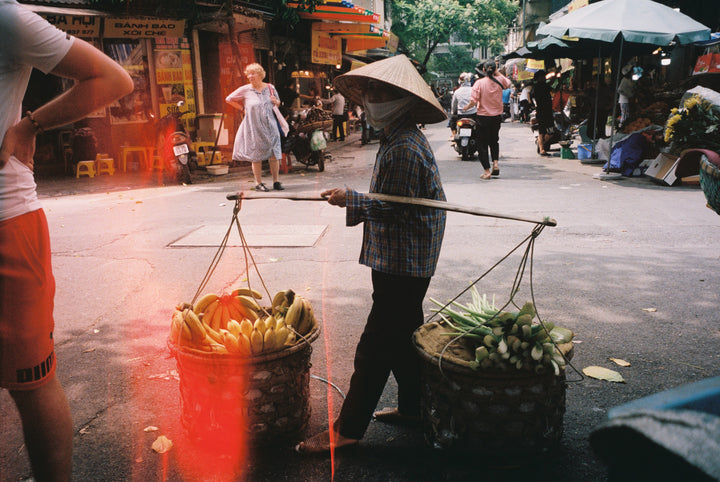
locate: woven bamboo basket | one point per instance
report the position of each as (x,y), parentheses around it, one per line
(710,183)
(265,397)
(310,127)
(509,417)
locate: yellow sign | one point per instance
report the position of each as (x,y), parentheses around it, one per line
(524,75)
(143,28)
(326,49)
(83,26)
(535,64)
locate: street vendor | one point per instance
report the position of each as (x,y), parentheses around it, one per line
(401,245)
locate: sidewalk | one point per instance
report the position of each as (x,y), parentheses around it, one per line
(125,181)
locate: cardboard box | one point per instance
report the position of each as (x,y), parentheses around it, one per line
(662,168)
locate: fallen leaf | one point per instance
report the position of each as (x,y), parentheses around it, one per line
(620,361)
(162,444)
(89,350)
(650,310)
(151,428)
(603,374)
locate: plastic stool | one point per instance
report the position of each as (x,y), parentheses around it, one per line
(105,165)
(200,159)
(85,168)
(157,163)
(285,164)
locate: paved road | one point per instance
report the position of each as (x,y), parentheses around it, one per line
(632,268)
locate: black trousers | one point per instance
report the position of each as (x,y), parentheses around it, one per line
(488,138)
(338,128)
(386,346)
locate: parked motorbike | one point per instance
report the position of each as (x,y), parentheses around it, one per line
(176,151)
(464,140)
(561,132)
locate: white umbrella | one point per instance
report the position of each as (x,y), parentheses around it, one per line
(620,21)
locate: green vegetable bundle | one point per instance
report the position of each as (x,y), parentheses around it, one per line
(506,340)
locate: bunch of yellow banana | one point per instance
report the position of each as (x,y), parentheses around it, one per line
(300,317)
(222,323)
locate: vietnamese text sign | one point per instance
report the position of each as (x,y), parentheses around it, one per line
(143,28)
(83,26)
(326,49)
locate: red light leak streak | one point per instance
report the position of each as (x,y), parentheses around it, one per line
(206,420)
(330,404)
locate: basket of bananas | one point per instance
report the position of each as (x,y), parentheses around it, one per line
(507,369)
(244,367)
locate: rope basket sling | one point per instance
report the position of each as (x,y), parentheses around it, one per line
(510,416)
(264,398)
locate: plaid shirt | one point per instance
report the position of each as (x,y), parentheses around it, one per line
(399,238)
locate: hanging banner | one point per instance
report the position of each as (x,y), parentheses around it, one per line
(143,28)
(533,64)
(326,49)
(174,78)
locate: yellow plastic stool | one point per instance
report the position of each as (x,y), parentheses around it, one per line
(85,168)
(157,163)
(105,165)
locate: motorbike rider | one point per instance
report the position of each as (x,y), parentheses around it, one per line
(461,96)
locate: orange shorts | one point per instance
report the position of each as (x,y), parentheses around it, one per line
(27,292)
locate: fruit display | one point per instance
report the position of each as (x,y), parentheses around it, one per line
(506,340)
(636,125)
(236,323)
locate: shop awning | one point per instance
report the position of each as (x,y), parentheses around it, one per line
(357,36)
(78,12)
(338,11)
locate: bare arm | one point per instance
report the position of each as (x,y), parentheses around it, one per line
(98,81)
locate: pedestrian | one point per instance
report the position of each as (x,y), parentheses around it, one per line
(525,102)
(27,285)
(258,137)
(487,98)
(626,91)
(337,103)
(401,245)
(542,99)
(287,95)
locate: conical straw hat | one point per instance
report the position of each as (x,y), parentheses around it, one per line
(397,71)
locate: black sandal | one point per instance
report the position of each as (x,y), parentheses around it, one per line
(262,187)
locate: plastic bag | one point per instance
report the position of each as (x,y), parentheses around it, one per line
(317,141)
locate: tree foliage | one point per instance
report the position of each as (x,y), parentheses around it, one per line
(423,24)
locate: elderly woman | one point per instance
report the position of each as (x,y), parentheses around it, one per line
(258,137)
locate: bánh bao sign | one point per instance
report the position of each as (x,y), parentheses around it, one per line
(143,28)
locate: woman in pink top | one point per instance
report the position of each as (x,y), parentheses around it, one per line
(487,96)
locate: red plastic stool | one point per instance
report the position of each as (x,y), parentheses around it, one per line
(285,164)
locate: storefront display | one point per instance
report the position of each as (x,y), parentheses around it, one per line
(174,79)
(133,58)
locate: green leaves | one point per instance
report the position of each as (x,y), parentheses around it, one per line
(422,24)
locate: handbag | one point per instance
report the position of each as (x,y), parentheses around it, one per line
(282,124)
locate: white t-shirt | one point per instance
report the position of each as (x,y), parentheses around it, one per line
(28,41)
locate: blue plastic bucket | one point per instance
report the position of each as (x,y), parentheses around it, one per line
(584,151)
